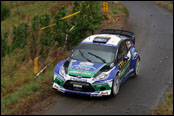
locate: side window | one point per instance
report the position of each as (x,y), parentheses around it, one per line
(122,51)
(125,50)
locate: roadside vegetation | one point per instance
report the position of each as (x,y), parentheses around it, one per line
(165,108)
(118,8)
(22,40)
(5,12)
(166,4)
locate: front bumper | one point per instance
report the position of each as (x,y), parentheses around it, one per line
(95,93)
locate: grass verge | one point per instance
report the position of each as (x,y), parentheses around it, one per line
(167,107)
(166,4)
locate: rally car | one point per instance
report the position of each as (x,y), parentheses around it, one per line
(99,64)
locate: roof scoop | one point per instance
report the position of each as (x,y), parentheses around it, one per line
(101,39)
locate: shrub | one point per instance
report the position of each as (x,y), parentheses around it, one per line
(19,35)
(5,12)
(61,27)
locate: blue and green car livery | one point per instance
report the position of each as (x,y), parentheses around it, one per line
(99,65)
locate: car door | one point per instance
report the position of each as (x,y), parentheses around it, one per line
(123,59)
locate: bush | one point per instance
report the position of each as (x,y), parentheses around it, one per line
(19,35)
(62,26)
(5,12)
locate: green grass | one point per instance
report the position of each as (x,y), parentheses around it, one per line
(167,107)
(166,4)
(13,98)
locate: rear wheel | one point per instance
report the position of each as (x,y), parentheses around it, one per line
(116,85)
(137,67)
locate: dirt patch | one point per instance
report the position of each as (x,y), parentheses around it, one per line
(43,104)
(114,22)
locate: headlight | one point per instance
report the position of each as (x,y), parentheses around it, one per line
(62,71)
(102,76)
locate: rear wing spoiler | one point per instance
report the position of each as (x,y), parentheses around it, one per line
(119,32)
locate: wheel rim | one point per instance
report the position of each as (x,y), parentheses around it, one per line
(116,85)
(137,67)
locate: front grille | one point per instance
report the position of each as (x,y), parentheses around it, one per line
(86,87)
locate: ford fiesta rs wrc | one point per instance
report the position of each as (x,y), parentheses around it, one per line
(99,65)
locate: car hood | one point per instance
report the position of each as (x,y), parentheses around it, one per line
(83,68)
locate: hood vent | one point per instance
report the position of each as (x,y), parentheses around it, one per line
(104,69)
(66,65)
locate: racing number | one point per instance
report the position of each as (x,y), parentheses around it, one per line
(121,65)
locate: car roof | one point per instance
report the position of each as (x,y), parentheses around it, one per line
(113,39)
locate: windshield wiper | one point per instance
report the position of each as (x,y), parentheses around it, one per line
(103,60)
(84,56)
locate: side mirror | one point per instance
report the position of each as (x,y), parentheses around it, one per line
(112,65)
(126,58)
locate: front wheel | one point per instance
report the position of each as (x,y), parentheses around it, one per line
(116,85)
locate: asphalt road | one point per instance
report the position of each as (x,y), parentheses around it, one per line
(153,27)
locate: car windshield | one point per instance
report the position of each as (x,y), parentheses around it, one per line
(94,53)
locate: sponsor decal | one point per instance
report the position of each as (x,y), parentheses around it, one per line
(121,65)
(85,73)
(87,63)
(83,68)
(128,72)
(125,70)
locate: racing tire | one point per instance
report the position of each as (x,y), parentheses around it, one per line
(116,85)
(137,67)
